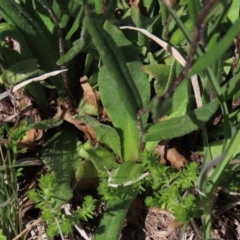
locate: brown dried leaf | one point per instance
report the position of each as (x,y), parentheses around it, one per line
(163,118)
(86,184)
(91,97)
(66,115)
(172,155)
(134,3)
(175,158)
(171,3)
(32,135)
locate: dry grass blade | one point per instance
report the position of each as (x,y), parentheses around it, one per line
(173,51)
(25,83)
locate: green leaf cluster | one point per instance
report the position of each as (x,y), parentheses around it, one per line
(47,200)
(171,189)
(131,72)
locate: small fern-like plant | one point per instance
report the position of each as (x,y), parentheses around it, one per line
(171,189)
(47,201)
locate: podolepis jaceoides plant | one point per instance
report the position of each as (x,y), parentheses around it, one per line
(125,57)
(122,83)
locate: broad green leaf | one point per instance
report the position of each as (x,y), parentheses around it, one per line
(164,12)
(114,62)
(23,70)
(216,51)
(163,74)
(34,37)
(126,172)
(111,225)
(116,107)
(61,156)
(116,79)
(86,170)
(233,13)
(20,71)
(9,56)
(105,134)
(134,64)
(7,30)
(101,157)
(179,126)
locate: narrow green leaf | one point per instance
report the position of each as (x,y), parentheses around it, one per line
(231,87)
(220,8)
(99,6)
(111,7)
(193,9)
(47,124)
(179,22)
(178,36)
(61,156)
(217,51)
(79,45)
(221,166)
(137,19)
(181,99)
(179,126)
(75,24)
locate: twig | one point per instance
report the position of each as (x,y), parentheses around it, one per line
(236,53)
(23,84)
(196,36)
(61,51)
(128,183)
(140,130)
